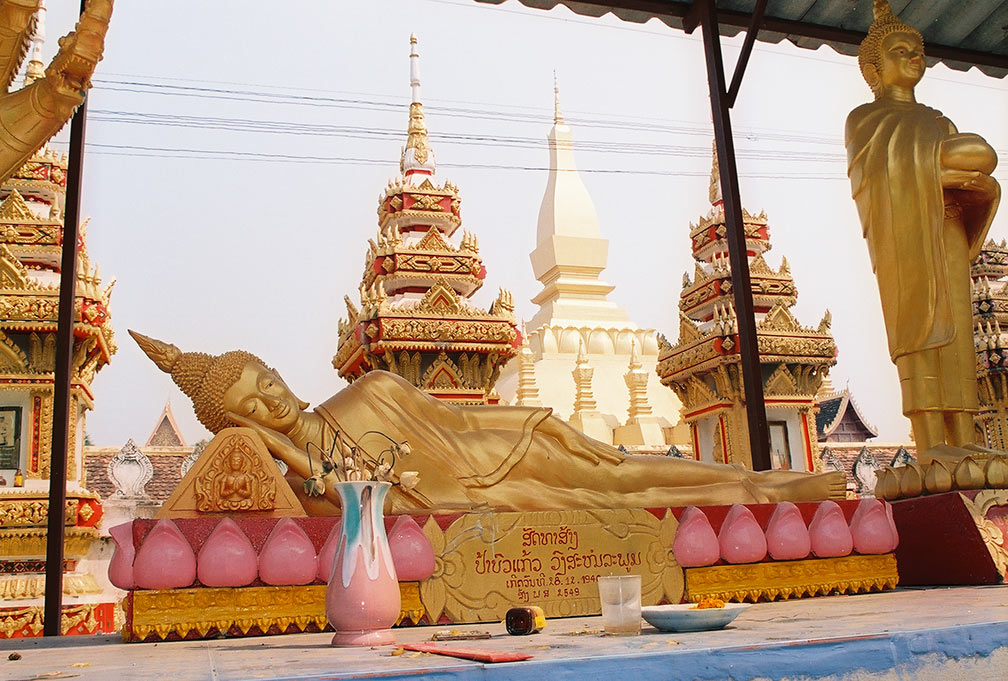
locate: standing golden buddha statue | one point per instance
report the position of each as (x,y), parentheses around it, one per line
(926,198)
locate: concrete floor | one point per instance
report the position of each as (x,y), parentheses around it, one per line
(925,635)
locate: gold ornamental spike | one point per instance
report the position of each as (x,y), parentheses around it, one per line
(996,472)
(911,481)
(164,355)
(937,478)
(968,474)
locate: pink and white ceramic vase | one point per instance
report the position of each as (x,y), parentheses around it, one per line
(362,601)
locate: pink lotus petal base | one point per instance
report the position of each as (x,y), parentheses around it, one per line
(374,637)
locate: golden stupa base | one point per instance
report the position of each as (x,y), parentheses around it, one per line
(792,578)
(205,612)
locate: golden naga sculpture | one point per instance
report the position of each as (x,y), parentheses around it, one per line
(468,457)
(926,198)
(30,116)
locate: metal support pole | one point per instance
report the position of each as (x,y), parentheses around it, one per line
(759,441)
(55,529)
(747,45)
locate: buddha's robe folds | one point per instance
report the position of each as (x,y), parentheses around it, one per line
(921,240)
(520,458)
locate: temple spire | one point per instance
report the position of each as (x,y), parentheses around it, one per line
(584,400)
(557,116)
(414,69)
(36,67)
(417,161)
(528,391)
(715,177)
(636,379)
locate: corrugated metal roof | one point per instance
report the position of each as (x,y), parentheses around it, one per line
(959,33)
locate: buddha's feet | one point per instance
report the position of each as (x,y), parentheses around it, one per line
(812,487)
(952,455)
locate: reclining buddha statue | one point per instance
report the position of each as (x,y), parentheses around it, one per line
(468,457)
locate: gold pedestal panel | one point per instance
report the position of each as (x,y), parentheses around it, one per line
(487,563)
(194,613)
(792,578)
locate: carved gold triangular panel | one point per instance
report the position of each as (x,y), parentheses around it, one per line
(443,374)
(781,382)
(688,330)
(779,318)
(13,274)
(15,208)
(235,474)
(758,266)
(433,241)
(440,298)
(12,358)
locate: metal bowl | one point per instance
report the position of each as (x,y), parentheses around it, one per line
(687,617)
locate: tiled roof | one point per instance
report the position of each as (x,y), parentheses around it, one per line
(828,411)
(166,433)
(167,473)
(847,452)
(833,410)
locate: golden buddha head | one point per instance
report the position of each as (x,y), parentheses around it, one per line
(261,395)
(236,381)
(892,54)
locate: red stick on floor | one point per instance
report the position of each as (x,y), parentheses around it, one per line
(477,654)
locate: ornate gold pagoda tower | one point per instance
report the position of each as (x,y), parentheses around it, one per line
(989,273)
(703,367)
(415,319)
(32,202)
(31,234)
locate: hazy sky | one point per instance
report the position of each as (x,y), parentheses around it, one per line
(236,157)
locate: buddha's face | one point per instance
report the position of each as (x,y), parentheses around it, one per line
(901,60)
(262,396)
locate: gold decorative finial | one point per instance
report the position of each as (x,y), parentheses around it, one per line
(417,151)
(715,177)
(557,116)
(869,53)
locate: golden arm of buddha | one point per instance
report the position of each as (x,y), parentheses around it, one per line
(967,162)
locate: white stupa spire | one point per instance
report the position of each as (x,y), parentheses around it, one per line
(557,116)
(570,252)
(414,68)
(417,161)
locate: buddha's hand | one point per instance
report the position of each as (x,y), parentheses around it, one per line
(979,185)
(278,443)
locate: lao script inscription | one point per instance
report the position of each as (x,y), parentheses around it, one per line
(487,563)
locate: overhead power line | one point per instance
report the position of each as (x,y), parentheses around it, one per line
(224,154)
(374,133)
(398,106)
